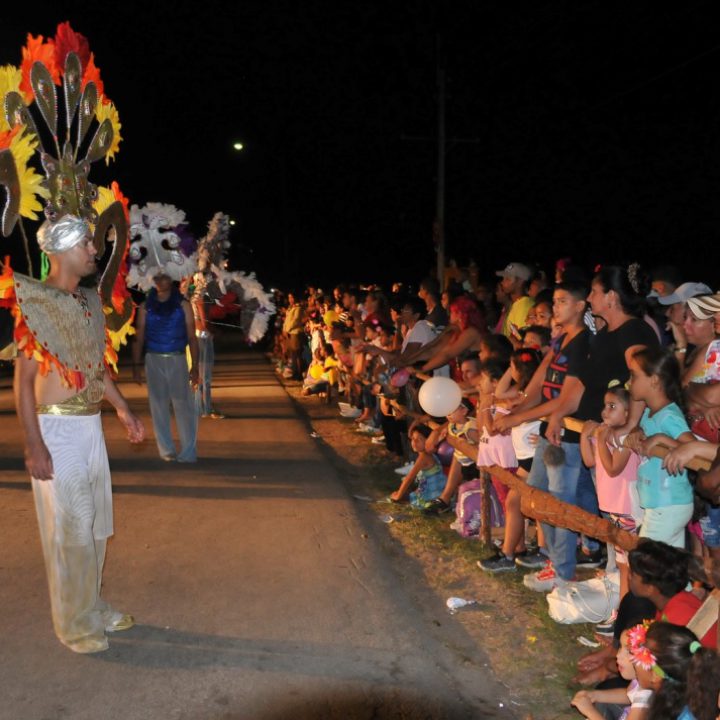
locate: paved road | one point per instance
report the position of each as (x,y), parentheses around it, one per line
(260,586)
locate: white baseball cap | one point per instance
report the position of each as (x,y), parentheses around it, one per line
(684,293)
(517,270)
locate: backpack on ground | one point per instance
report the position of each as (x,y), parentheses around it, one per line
(469,509)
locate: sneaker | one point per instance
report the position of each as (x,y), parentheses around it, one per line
(544,580)
(531,559)
(498,563)
(607,627)
(404,469)
(379,440)
(367,429)
(436,507)
(588,560)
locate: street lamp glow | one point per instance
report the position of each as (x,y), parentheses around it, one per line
(232,222)
(238,145)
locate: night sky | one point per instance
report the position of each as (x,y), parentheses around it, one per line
(588,129)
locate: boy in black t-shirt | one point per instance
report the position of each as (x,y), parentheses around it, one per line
(555,378)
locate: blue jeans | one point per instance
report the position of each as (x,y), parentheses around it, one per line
(572,483)
(710,525)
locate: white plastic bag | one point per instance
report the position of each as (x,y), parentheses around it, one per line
(590,601)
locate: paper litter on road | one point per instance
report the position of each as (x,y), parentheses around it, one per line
(314,435)
(364,498)
(387,519)
(455,603)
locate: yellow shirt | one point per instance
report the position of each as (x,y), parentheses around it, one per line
(518,313)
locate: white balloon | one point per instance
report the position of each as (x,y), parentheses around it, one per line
(439,396)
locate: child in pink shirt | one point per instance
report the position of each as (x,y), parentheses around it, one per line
(615,470)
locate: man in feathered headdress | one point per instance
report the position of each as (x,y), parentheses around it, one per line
(66,335)
(161,254)
(211,263)
(64,444)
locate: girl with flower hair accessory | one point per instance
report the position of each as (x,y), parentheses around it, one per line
(635,697)
(684,675)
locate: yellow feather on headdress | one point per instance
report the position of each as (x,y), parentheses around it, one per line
(106,111)
(105,198)
(10,79)
(31,183)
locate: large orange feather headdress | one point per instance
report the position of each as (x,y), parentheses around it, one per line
(80,131)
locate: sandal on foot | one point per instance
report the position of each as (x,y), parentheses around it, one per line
(122,623)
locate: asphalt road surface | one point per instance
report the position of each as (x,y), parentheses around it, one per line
(260,587)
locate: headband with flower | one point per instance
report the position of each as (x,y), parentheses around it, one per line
(640,654)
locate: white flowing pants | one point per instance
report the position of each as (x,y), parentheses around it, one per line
(74,512)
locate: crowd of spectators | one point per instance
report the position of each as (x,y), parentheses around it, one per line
(573,386)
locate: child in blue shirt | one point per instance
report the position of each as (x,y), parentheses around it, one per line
(666,499)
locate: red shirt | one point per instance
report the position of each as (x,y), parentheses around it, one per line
(680,610)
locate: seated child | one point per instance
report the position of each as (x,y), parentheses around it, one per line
(660,573)
(462,469)
(426,472)
(667,657)
(634,696)
(313,377)
(323,371)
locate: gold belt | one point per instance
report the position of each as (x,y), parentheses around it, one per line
(68,410)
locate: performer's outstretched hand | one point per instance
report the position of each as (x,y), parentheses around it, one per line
(133,424)
(38,461)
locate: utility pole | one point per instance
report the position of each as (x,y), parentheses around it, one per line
(438,230)
(439,224)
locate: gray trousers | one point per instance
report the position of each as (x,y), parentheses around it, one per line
(206,360)
(168,382)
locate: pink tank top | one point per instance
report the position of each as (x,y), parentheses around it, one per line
(617,495)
